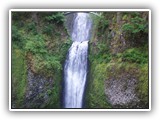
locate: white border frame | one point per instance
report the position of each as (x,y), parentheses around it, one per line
(83,10)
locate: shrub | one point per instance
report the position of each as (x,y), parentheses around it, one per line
(135,55)
(17,37)
(36,45)
(31,27)
(48,29)
(56,17)
(136,25)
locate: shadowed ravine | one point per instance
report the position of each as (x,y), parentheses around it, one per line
(75,69)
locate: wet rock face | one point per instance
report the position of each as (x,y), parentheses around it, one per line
(121,91)
(38,90)
(69,22)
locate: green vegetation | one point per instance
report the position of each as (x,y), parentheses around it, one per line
(135,55)
(136,25)
(143,85)
(39,42)
(56,17)
(118,48)
(95,97)
(136,29)
(113,56)
(19,75)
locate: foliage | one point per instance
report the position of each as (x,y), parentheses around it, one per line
(100,24)
(132,61)
(48,29)
(41,47)
(136,25)
(17,36)
(139,24)
(128,27)
(31,27)
(57,17)
(17,16)
(135,28)
(103,24)
(36,44)
(134,55)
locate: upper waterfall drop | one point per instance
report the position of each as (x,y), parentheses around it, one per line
(81,27)
(75,69)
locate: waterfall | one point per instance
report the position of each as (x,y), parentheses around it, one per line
(75,69)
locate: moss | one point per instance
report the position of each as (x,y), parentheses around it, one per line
(125,17)
(19,77)
(55,97)
(143,84)
(96,97)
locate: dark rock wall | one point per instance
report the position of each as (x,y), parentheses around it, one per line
(38,90)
